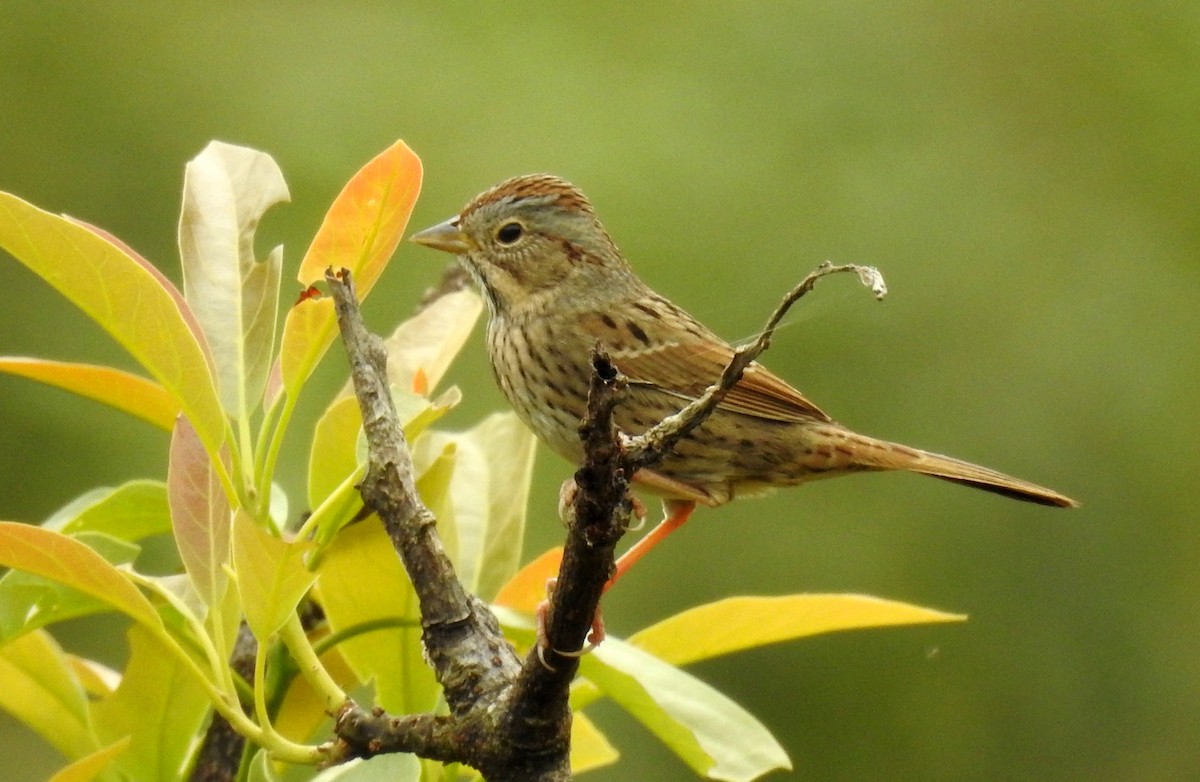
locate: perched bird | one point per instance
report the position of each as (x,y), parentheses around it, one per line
(556,286)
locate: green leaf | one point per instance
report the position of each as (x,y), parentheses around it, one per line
(738,623)
(337,460)
(271,576)
(490,492)
(714,736)
(362,582)
(159,704)
(335,512)
(226,191)
(360,232)
(29,601)
(69,562)
(199,513)
(333,455)
(41,690)
(92,766)
(260,768)
(118,389)
(126,296)
(131,512)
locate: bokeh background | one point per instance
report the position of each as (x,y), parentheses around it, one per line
(1026,175)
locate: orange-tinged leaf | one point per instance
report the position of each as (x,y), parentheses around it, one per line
(127,392)
(737,623)
(67,561)
(365,222)
(29,600)
(360,232)
(527,588)
(124,298)
(88,768)
(199,513)
(420,382)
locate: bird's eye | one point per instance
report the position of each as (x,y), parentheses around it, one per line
(510,232)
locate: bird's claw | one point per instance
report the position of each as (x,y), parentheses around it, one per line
(594,638)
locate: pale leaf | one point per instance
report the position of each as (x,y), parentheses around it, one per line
(226,191)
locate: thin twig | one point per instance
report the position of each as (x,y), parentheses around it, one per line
(649,447)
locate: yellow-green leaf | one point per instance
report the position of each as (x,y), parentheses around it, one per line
(67,561)
(91,766)
(362,582)
(333,455)
(307,332)
(40,689)
(738,623)
(159,704)
(116,388)
(129,512)
(434,484)
(715,737)
(360,232)
(126,298)
(590,749)
(271,575)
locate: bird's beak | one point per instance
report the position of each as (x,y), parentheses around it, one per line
(444,236)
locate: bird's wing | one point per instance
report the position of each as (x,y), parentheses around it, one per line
(686,368)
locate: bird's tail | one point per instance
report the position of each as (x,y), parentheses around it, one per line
(882,455)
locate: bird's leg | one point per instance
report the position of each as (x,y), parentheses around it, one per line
(566,496)
(676,512)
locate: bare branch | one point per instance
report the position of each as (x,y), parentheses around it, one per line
(510,720)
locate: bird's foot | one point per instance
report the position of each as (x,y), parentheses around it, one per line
(594,638)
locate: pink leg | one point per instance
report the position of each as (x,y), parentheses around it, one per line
(677,512)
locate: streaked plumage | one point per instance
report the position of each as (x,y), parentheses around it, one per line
(556,285)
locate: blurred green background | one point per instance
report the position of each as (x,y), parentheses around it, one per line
(1027,176)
